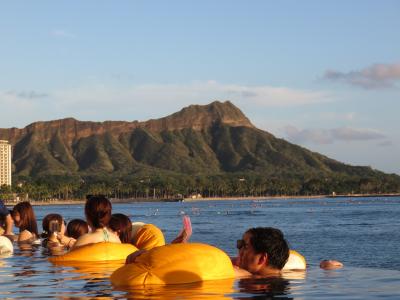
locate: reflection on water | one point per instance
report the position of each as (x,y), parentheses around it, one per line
(264,288)
(219,289)
(362,233)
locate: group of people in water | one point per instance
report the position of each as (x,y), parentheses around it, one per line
(100,226)
(262,251)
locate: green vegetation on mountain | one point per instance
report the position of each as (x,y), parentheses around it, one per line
(211,149)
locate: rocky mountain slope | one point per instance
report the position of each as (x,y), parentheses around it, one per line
(209,139)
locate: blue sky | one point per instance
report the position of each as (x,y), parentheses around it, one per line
(325,75)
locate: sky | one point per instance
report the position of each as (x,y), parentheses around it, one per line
(323,75)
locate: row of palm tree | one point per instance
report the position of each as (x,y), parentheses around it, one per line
(160,186)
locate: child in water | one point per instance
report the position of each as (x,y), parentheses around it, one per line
(75,229)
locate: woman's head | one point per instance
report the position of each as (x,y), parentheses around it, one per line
(48,226)
(122,225)
(24,217)
(98,211)
(77,228)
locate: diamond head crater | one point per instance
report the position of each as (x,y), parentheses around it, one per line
(210,151)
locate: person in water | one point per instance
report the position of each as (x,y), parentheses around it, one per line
(263,251)
(6,220)
(122,226)
(98,215)
(75,229)
(24,218)
(53,225)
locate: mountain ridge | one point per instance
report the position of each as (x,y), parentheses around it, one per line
(199,139)
(196,117)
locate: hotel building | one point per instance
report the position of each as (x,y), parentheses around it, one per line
(5,163)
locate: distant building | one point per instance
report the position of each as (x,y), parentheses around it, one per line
(5,163)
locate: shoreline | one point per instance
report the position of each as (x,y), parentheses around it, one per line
(256,198)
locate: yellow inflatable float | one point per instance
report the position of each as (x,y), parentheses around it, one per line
(147,236)
(104,251)
(175,264)
(296,261)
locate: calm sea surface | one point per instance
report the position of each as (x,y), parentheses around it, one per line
(363,233)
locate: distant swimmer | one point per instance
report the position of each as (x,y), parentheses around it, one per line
(330,264)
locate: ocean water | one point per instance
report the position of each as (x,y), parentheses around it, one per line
(363,233)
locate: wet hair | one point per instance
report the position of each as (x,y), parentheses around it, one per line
(98,211)
(27,217)
(77,228)
(121,224)
(46,223)
(272,242)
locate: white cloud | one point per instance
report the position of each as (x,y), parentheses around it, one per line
(141,102)
(277,96)
(329,136)
(27,94)
(372,77)
(195,92)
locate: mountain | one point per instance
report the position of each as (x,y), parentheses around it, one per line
(198,140)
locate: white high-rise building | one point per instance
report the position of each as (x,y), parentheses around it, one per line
(5,163)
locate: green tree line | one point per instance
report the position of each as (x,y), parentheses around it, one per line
(161,186)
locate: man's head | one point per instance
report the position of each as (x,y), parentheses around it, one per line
(262,249)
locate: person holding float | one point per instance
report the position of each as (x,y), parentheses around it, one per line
(98,215)
(75,229)
(101,243)
(53,225)
(188,263)
(263,252)
(145,236)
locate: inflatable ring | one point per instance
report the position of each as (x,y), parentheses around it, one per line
(175,264)
(6,247)
(103,251)
(148,236)
(296,261)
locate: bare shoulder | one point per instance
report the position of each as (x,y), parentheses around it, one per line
(25,236)
(88,238)
(240,273)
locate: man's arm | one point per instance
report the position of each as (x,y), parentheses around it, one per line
(9,225)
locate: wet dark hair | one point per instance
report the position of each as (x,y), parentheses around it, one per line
(98,211)
(272,242)
(77,228)
(121,224)
(27,217)
(46,223)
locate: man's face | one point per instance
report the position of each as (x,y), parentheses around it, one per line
(248,258)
